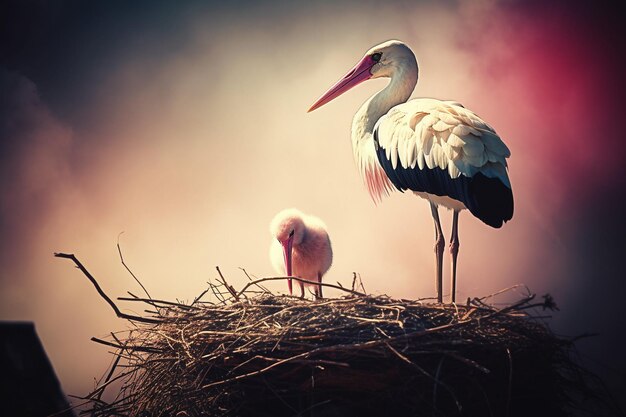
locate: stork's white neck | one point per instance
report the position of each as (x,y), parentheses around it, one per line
(399,89)
(403,80)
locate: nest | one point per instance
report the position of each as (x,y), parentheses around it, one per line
(253,353)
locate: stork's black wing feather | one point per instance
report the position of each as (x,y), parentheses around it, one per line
(489,199)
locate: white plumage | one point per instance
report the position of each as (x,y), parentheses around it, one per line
(438,149)
(433,133)
(300,241)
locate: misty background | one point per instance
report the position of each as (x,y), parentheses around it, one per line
(184,126)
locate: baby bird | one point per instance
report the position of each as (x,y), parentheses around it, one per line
(300,248)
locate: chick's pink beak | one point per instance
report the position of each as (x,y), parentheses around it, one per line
(356,76)
(287,246)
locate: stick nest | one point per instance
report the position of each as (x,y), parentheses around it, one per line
(255,353)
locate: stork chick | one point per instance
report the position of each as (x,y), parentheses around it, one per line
(300,248)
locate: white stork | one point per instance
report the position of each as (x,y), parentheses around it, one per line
(438,149)
(300,247)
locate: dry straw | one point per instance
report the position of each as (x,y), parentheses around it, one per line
(253,353)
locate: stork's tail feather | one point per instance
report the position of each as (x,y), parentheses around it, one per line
(492,201)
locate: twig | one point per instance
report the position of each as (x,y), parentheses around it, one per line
(361,282)
(258,372)
(469,362)
(216,293)
(119,250)
(366,319)
(117,311)
(511,288)
(64,411)
(230,289)
(125,347)
(199,297)
(305,281)
(264,289)
(153,302)
(102,387)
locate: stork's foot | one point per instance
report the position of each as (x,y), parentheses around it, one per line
(317,294)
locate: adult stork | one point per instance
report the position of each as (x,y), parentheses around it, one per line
(438,149)
(300,247)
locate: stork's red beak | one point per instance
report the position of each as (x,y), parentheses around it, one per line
(287,246)
(356,76)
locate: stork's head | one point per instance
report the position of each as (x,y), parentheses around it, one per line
(288,224)
(384,60)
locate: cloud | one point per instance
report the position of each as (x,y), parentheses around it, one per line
(34,164)
(546,73)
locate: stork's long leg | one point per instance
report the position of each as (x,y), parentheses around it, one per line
(301,289)
(454,251)
(440,244)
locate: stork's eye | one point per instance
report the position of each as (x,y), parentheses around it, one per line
(376,57)
(291,233)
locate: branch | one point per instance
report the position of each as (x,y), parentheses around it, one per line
(216,293)
(101,388)
(154,302)
(306,281)
(126,347)
(119,250)
(199,297)
(265,290)
(230,288)
(117,311)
